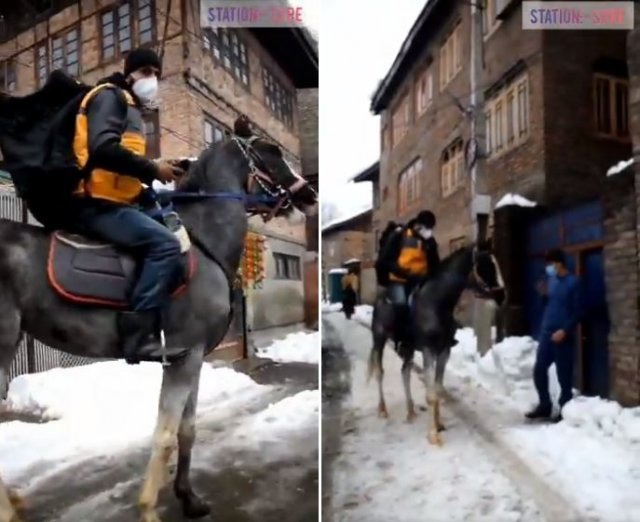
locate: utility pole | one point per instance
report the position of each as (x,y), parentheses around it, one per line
(480,206)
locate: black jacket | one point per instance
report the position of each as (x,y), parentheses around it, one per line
(109,116)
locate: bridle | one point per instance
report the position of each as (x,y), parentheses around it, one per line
(261,177)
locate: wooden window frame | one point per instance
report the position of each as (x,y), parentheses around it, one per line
(409,185)
(215,124)
(424,91)
(288,261)
(509,109)
(613,82)
(451,56)
(154,22)
(118,53)
(47,64)
(490,20)
(452,169)
(278,98)
(65,63)
(8,76)
(228,49)
(153,145)
(399,129)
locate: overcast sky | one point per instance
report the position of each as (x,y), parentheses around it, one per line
(359,40)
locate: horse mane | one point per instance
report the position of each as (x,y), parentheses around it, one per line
(454,257)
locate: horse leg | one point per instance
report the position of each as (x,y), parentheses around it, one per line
(407,365)
(7,506)
(177,384)
(192,505)
(432,398)
(375,366)
(441,363)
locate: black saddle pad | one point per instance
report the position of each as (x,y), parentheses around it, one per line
(94,273)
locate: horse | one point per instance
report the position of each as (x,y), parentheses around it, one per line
(433,306)
(215,191)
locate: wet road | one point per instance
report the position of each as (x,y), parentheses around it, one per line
(242,481)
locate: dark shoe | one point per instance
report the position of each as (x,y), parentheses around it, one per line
(557,418)
(140,338)
(539,412)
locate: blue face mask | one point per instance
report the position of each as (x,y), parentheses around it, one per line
(551,271)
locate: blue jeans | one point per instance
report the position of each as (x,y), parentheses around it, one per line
(397,293)
(127,227)
(562,354)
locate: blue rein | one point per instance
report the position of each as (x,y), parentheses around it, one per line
(248,199)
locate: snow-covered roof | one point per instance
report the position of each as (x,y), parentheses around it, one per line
(619,167)
(343,219)
(352,260)
(338,271)
(515,199)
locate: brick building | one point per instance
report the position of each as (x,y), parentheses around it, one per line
(349,242)
(209,78)
(551,109)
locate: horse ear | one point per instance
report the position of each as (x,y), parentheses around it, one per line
(242,127)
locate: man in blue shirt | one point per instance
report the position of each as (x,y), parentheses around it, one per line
(557,335)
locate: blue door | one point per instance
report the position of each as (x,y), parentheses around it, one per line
(595,325)
(335,287)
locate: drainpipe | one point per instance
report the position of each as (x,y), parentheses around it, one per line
(480,206)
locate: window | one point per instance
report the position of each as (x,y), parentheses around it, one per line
(214,131)
(228,49)
(489,21)
(42,63)
(452,169)
(611,106)
(64,52)
(287,266)
(400,120)
(409,185)
(424,91)
(8,76)
(116,36)
(451,56)
(152,135)
(145,22)
(277,98)
(507,117)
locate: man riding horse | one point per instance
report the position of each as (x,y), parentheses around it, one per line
(110,139)
(408,257)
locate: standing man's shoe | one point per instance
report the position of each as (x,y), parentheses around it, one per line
(539,412)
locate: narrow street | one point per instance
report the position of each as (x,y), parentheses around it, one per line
(378,466)
(246,472)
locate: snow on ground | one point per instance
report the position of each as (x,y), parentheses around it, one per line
(619,167)
(592,458)
(331,307)
(99,409)
(514,199)
(296,347)
(387,467)
(364,315)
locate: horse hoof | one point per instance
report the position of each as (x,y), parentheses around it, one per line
(383,414)
(411,416)
(195,508)
(441,427)
(434,438)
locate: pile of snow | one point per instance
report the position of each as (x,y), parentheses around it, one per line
(364,315)
(605,417)
(338,271)
(515,199)
(289,414)
(296,347)
(619,167)
(331,307)
(99,408)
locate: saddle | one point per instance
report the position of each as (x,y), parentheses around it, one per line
(89,272)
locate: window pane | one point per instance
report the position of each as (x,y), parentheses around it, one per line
(510,117)
(108,52)
(107,41)
(621,109)
(145,25)
(125,44)
(488,135)
(123,10)
(498,136)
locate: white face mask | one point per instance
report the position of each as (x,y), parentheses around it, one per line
(425,233)
(147,90)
